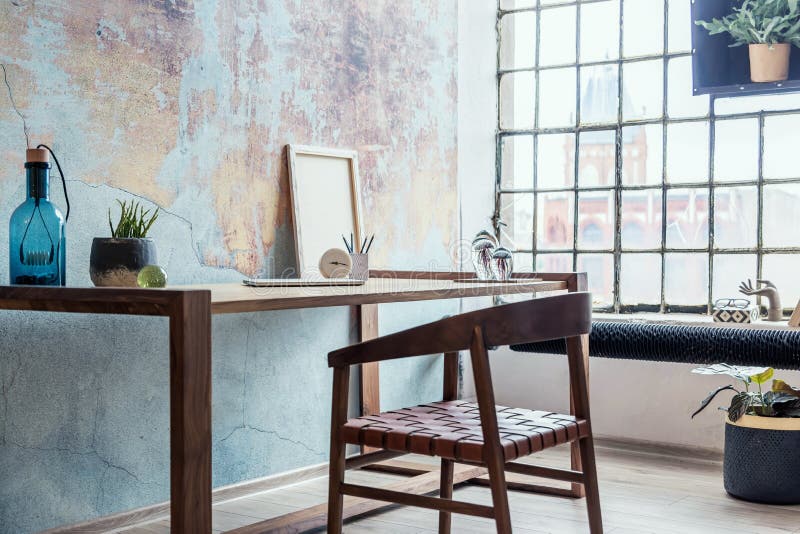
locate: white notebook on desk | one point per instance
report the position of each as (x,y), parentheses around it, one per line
(301,282)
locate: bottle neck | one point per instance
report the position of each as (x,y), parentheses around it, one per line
(38,176)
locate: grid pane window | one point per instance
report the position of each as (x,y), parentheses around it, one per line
(609,163)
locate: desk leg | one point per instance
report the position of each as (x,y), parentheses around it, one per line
(190,414)
(370,375)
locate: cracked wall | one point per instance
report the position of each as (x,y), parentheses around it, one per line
(188,105)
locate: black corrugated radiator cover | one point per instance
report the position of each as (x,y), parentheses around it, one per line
(696,344)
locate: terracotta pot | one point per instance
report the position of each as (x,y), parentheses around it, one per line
(769,63)
(117,262)
(761,461)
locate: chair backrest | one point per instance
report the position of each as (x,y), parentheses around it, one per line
(530,321)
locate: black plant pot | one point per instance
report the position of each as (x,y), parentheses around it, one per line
(117,262)
(762,463)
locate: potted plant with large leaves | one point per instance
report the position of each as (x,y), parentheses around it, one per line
(116,261)
(769,28)
(762,435)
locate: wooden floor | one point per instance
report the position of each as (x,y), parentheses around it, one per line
(641,492)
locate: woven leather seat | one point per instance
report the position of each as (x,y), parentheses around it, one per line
(452,430)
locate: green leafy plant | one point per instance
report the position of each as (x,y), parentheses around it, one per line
(782,400)
(759,22)
(134,221)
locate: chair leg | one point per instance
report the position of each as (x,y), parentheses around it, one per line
(590,484)
(341,379)
(446,492)
(497,481)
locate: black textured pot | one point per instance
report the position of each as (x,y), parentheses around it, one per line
(761,460)
(117,262)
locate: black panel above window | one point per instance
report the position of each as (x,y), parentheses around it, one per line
(721,70)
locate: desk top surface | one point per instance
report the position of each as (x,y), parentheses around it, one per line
(236,298)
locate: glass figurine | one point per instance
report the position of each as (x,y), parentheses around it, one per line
(482,247)
(502,264)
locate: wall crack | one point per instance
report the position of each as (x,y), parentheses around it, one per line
(272,433)
(187,222)
(90,452)
(14,103)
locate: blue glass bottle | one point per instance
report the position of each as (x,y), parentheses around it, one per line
(37,241)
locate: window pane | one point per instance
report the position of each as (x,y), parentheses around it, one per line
(781,270)
(516,164)
(599,31)
(640,279)
(643,31)
(736,150)
(517,97)
(641,219)
(597,159)
(557,43)
(781,139)
(782,216)
(729,271)
(680,25)
(518,40)
(643,90)
(554,263)
(516,4)
(687,218)
(516,211)
(680,99)
(642,155)
(748,104)
(557,98)
(600,270)
(599,94)
(687,152)
(686,279)
(735,217)
(596,220)
(556,161)
(523,262)
(555,219)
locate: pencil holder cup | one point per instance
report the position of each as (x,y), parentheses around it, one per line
(360,268)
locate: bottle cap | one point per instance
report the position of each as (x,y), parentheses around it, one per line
(37,155)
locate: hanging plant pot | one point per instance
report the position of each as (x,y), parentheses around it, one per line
(116,262)
(761,461)
(769,63)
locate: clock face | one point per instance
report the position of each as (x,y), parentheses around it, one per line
(335,263)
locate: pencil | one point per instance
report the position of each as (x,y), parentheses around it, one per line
(346,245)
(363,244)
(369,244)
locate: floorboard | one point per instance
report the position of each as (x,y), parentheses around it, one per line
(641,492)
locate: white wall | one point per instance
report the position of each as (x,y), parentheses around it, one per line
(477,119)
(629,399)
(477,113)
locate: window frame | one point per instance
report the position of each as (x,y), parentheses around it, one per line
(710,118)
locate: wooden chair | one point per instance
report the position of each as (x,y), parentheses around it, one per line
(471,433)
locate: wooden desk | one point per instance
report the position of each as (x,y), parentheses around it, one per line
(189,309)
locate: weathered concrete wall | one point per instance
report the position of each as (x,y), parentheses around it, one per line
(188,105)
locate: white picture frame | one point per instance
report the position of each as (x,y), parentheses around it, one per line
(326,202)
